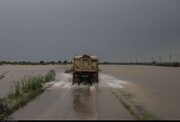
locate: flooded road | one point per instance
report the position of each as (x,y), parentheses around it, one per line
(63,101)
(154,88)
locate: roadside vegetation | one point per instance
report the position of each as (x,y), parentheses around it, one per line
(133,107)
(2,75)
(69,70)
(24,91)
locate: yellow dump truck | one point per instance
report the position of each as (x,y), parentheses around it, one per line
(85,68)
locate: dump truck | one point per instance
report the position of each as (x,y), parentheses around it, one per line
(85,68)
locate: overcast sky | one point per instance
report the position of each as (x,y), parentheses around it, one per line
(116,30)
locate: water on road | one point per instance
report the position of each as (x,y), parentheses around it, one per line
(64,101)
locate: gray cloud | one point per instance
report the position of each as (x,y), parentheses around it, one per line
(119,30)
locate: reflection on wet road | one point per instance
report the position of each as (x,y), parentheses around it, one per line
(63,101)
(151,86)
(84,103)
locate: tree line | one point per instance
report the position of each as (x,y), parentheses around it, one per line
(154,63)
(35,63)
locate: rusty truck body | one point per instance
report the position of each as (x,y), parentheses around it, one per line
(85,68)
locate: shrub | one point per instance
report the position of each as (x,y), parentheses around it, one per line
(50,76)
(24,91)
(69,70)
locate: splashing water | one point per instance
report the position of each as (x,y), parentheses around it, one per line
(64,80)
(106,80)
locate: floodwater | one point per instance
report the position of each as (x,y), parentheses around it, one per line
(155,88)
(63,101)
(14,73)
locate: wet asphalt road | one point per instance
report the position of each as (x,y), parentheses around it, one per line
(156,88)
(76,103)
(62,101)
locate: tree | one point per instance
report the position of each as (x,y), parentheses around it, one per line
(52,62)
(41,62)
(65,62)
(59,62)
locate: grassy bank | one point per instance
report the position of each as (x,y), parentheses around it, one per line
(134,108)
(24,91)
(2,75)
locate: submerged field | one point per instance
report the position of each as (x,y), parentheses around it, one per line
(157,88)
(123,92)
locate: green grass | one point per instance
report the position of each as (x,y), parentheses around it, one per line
(50,76)
(24,91)
(2,75)
(69,70)
(136,110)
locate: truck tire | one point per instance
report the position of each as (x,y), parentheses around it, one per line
(79,83)
(80,80)
(75,80)
(94,80)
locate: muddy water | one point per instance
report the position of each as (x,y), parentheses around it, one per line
(157,88)
(63,101)
(14,73)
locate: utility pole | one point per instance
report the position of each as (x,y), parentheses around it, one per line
(160,59)
(152,59)
(136,60)
(170,58)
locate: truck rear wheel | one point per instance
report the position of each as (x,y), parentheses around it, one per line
(95,80)
(76,80)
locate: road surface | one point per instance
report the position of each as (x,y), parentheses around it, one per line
(155,88)
(63,101)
